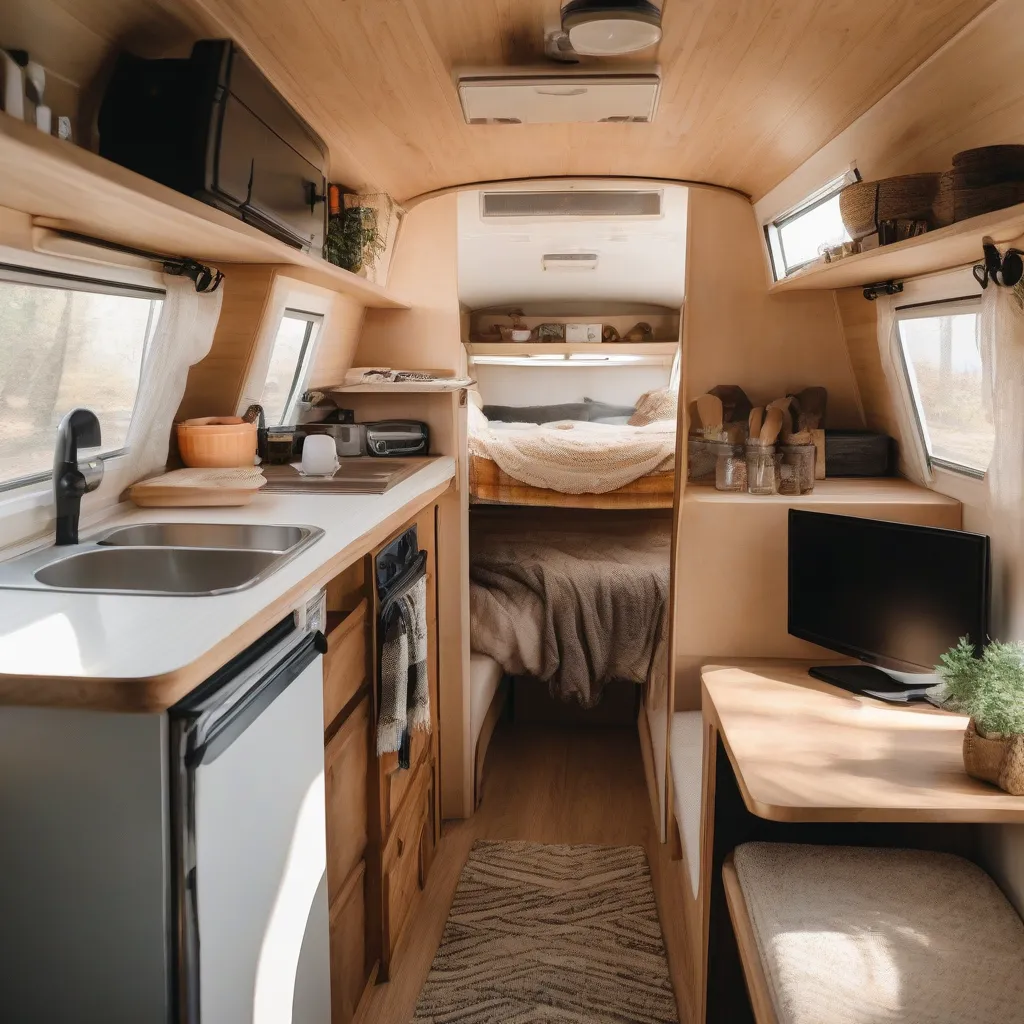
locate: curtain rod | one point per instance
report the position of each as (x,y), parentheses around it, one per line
(206,279)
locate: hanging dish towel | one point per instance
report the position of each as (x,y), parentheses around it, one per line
(404,689)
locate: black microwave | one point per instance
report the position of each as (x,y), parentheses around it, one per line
(210,125)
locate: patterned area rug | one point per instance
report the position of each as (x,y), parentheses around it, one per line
(551,933)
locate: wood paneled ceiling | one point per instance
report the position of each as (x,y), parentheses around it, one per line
(751,88)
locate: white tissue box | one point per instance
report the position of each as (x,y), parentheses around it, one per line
(576,334)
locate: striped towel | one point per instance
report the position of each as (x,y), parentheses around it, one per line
(404,689)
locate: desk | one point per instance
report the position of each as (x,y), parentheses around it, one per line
(787,757)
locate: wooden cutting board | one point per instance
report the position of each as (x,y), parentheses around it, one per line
(194,488)
(354,476)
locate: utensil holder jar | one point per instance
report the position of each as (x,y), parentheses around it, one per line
(731,468)
(799,460)
(762,468)
(700,461)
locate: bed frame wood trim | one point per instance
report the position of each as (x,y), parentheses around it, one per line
(488,484)
(491,719)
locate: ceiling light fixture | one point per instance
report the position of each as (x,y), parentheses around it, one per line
(608,28)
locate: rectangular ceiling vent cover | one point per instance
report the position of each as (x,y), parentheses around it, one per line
(602,203)
(569,261)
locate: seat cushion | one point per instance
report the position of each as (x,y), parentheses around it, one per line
(866,936)
(686,759)
(485,676)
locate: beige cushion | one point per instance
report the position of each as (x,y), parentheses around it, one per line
(687,763)
(485,676)
(869,936)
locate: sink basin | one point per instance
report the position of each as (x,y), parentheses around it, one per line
(184,559)
(167,570)
(249,537)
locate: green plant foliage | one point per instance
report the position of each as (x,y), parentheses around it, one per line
(353,239)
(991,688)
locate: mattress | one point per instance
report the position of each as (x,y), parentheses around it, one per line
(686,760)
(485,676)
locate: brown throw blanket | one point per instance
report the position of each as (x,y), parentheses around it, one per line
(574,610)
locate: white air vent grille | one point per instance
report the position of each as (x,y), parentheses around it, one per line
(606,203)
(569,261)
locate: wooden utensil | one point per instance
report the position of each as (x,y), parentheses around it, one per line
(811,404)
(709,409)
(772,425)
(755,420)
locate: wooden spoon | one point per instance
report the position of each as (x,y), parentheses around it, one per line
(771,427)
(709,409)
(754,420)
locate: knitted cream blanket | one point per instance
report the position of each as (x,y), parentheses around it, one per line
(575,457)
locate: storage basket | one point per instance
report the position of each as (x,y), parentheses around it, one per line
(858,453)
(865,204)
(999,761)
(987,179)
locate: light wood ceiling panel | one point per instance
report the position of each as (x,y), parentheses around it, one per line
(751,88)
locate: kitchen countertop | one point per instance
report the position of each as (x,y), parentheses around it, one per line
(140,653)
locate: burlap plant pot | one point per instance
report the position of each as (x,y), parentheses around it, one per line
(999,761)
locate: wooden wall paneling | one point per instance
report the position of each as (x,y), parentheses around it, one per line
(339,339)
(215,383)
(749,91)
(860,327)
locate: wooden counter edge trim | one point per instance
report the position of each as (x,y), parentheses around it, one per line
(792,814)
(750,956)
(159,692)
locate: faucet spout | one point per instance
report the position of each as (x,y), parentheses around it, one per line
(72,479)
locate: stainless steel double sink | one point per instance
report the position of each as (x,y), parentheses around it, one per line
(182,559)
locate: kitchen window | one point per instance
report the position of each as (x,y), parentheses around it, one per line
(291,360)
(942,363)
(67,342)
(796,237)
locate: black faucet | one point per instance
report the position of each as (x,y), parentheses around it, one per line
(72,479)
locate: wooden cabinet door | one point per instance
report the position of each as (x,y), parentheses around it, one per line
(346,762)
(349,967)
(347,662)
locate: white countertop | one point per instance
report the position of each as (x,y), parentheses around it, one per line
(81,638)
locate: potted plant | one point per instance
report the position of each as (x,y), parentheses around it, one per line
(991,690)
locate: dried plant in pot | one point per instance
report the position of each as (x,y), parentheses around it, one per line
(991,690)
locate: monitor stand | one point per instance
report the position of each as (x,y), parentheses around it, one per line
(871,682)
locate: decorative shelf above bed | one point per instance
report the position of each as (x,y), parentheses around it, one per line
(69,188)
(943,249)
(555,350)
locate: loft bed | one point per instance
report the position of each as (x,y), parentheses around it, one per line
(567,461)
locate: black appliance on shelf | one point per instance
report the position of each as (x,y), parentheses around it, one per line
(397,437)
(211,126)
(893,595)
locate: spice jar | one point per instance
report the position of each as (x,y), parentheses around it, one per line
(799,458)
(731,468)
(762,468)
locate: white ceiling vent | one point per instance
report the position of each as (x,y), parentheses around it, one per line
(559,99)
(587,203)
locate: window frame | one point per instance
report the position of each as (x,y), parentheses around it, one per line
(304,364)
(954,306)
(773,228)
(45,277)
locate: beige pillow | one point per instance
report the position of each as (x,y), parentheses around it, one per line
(661,404)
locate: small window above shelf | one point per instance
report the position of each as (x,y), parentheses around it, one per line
(944,249)
(66,187)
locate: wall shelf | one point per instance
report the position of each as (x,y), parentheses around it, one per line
(943,249)
(66,187)
(608,348)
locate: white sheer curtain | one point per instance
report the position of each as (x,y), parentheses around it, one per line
(1002,353)
(913,459)
(183,336)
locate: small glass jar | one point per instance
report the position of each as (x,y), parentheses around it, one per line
(731,468)
(700,461)
(800,459)
(762,468)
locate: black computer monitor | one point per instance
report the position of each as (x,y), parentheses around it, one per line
(893,595)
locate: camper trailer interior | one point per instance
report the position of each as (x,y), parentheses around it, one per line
(511,511)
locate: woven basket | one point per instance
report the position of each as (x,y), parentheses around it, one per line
(999,761)
(865,204)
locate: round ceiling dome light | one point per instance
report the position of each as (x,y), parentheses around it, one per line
(608,28)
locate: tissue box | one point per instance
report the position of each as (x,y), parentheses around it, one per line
(583,333)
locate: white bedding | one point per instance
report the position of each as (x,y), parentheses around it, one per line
(573,456)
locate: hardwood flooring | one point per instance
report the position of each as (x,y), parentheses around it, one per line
(545,784)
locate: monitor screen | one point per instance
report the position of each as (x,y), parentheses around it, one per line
(891,594)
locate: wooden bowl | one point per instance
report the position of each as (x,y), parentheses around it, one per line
(217,442)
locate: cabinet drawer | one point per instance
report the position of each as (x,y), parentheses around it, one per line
(406,868)
(346,664)
(345,780)
(349,971)
(396,782)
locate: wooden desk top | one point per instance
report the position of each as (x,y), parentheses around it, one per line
(803,750)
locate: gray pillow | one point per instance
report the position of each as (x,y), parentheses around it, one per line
(538,413)
(600,411)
